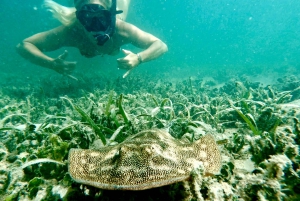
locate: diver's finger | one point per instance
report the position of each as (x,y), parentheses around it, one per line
(64,55)
(126,51)
(72,65)
(127,73)
(123,62)
(72,77)
(124,66)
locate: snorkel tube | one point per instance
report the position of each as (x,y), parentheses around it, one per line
(108,33)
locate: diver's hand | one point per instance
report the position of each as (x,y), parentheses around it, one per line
(63,67)
(129,62)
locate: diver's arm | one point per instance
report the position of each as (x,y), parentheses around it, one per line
(32,49)
(154,50)
(153,47)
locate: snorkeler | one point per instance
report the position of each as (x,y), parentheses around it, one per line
(95,27)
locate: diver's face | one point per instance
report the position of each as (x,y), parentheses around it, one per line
(94,17)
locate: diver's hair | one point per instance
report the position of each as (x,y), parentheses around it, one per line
(106,3)
(66,15)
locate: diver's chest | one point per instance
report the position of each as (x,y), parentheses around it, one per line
(91,49)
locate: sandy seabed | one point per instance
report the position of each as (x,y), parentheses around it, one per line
(256,127)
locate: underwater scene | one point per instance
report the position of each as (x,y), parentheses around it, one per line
(168,100)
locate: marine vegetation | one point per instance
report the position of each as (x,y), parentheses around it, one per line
(49,136)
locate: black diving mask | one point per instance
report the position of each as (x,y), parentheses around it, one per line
(95,18)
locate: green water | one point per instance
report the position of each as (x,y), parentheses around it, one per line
(205,38)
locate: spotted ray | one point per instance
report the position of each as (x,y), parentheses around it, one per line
(149,159)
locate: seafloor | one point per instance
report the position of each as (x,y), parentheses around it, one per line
(255,124)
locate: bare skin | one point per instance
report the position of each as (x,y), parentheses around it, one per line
(75,35)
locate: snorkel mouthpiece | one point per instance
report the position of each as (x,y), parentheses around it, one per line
(101,38)
(95,18)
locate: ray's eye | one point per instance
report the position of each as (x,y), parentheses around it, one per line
(116,156)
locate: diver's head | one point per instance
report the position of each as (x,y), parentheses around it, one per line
(94,17)
(98,17)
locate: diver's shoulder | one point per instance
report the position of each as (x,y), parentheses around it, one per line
(61,29)
(74,27)
(122,25)
(124,28)
(66,33)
